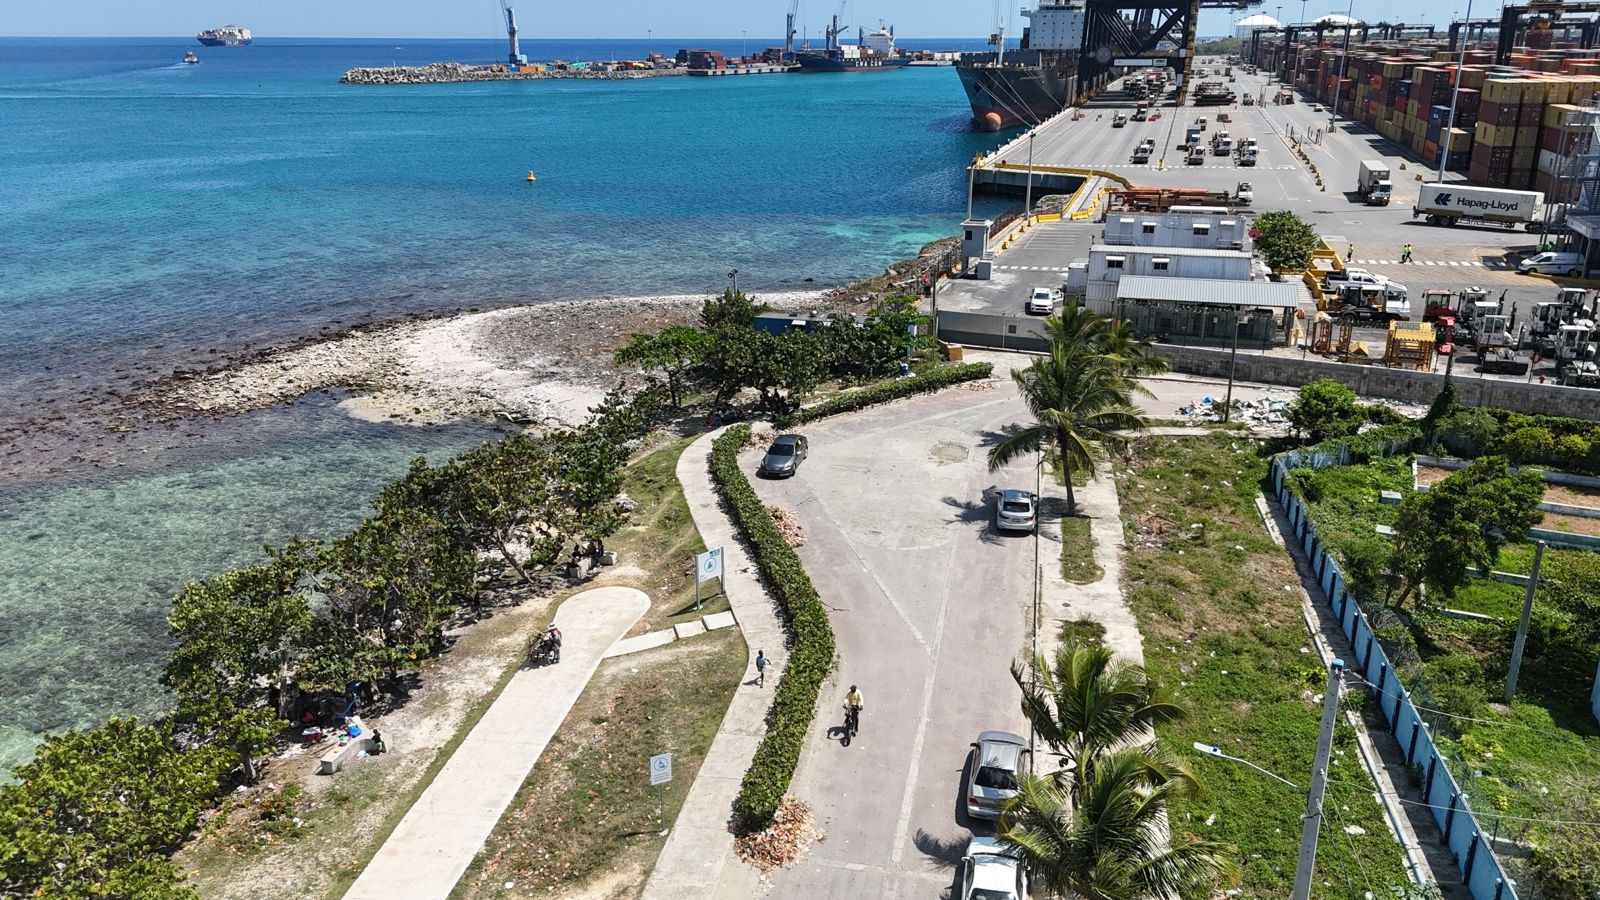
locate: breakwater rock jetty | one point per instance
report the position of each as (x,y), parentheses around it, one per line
(450,72)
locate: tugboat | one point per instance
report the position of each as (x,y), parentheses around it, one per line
(189,59)
(226,36)
(873,50)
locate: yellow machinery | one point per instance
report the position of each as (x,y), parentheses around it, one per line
(1411,346)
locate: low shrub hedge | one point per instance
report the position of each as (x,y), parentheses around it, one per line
(810,655)
(883,392)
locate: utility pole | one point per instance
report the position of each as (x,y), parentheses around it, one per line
(972,174)
(733,275)
(1312,823)
(1522,623)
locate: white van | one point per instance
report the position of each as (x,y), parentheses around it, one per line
(1551,262)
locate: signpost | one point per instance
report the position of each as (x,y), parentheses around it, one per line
(660,774)
(707,565)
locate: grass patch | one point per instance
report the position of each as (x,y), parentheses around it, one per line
(1082,631)
(1207,585)
(1077,551)
(587,810)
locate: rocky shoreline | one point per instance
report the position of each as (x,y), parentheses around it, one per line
(453,72)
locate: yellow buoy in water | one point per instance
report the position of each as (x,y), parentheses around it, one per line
(532,177)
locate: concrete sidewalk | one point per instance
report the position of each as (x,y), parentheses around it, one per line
(433,845)
(1101,600)
(700,846)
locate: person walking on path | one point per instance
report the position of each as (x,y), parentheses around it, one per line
(761,668)
(1405,252)
(1349,252)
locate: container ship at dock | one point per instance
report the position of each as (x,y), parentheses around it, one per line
(873,51)
(1025,86)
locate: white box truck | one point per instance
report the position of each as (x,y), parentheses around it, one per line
(1372,181)
(1454,203)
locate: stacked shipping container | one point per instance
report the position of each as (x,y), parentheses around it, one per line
(1512,124)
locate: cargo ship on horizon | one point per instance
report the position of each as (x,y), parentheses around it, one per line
(226,36)
(1023,87)
(873,51)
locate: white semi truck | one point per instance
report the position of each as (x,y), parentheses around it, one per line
(1454,203)
(1372,181)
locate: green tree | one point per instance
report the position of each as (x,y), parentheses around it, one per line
(1082,401)
(1085,703)
(1325,409)
(236,633)
(389,585)
(731,308)
(1461,521)
(875,346)
(674,351)
(95,813)
(1284,240)
(1107,838)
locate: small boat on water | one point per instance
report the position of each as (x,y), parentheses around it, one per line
(189,58)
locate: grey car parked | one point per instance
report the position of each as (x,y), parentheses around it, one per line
(784,456)
(997,757)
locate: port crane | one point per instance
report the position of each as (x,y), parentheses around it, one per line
(788,29)
(514,57)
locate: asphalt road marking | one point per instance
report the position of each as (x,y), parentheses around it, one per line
(1493,264)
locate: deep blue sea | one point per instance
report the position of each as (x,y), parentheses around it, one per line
(154,211)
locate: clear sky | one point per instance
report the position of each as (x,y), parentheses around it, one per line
(567,19)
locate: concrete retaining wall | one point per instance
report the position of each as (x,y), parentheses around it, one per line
(1378,381)
(1567,478)
(998,332)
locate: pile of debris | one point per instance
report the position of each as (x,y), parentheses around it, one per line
(788,526)
(1269,416)
(780,844)
(1152,530)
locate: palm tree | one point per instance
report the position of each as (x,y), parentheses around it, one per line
(1085,705)
(1082,400)
(1109,839)
(1137,353)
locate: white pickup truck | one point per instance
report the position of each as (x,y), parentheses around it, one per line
(1391,289)
(1042,301)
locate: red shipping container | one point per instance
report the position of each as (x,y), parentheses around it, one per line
(1530,113)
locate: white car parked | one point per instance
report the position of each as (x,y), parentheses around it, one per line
(1042,301)
(989,873)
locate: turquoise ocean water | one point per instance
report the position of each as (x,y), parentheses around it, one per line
(155,211)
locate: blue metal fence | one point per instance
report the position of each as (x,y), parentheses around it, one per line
(1452,812)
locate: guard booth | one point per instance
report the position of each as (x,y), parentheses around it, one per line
(975,242)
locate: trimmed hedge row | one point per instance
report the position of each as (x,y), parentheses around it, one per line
(811,655)
(883,392)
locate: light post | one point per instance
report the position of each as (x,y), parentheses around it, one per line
(1027,200)
(1455,89)
(1312,820)
(733,275)
(1344,60)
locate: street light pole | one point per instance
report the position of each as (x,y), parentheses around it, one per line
(1312,823)
(1450,124)
(1344,60)
(1027,202)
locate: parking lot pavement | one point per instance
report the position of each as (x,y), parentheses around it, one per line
(930,606)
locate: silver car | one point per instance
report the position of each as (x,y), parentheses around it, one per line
(1016,510)
(784,456)
(997,759)
(988,872)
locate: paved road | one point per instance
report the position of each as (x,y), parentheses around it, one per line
(930,606)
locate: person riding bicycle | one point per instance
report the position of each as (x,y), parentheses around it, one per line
(552,639)
(852,702)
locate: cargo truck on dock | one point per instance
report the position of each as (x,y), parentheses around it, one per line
(1455,204)
(1372,182)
